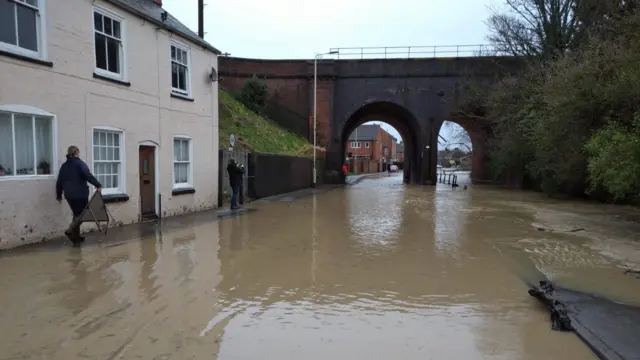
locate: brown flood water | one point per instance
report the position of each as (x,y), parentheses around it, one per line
(378,270)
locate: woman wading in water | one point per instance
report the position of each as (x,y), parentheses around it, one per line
(72,181)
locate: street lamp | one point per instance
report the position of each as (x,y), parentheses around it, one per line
(315,107)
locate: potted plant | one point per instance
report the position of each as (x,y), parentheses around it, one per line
(44,168)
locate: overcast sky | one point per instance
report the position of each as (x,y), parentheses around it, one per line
(299,29)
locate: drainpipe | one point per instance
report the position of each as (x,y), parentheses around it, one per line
(201,18)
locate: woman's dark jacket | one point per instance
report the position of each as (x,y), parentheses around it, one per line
(72,179)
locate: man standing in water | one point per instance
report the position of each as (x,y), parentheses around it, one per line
(72,181)
(235,180)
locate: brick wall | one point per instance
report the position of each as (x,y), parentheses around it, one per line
(363,151)
(288,81)
(290,84)
(324,97)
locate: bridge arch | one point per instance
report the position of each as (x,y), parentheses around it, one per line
(478,136)
(398,117)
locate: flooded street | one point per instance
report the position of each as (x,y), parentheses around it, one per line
(378,270)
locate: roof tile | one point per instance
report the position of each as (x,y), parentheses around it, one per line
(365,133)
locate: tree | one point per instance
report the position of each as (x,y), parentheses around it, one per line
(566,124)
(535,28)
(458,133)
(614,162)
(600,17)
(254,94)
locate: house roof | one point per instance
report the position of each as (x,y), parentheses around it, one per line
(365,133)
(151,11)
(400,148)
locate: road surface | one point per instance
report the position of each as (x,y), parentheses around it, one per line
(377,270)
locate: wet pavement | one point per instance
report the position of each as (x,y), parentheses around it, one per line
(376,270)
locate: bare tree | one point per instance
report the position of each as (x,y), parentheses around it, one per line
(534,28)
(458,136)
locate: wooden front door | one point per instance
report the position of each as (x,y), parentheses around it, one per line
(147,181)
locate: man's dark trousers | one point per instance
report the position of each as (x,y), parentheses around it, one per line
(234,196)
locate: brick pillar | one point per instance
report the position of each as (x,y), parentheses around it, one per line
(479,172)
(324,99)
(430,155)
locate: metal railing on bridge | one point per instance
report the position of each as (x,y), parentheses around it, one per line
(408,52)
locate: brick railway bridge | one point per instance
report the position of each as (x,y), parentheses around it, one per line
(414,95)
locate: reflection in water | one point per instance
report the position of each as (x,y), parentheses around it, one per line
(375,271)
(150,248)
(314,238)
(376,220)
(450,219)
(183,248)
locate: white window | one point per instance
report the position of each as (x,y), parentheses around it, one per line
(108,155)
(182,166)
(26,145)
(355,144)
(108,44)
(180,80)
(21,27)
(366,145)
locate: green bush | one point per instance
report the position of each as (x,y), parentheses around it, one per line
(614,160)
(254,94)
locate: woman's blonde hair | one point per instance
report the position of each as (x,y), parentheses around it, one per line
(72,151)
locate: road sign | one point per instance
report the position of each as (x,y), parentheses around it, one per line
(232,140)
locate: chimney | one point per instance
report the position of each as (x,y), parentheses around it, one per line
(159,2)
(200,18)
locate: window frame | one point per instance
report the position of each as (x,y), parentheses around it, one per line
(34,111)
(366,144)
(356,144)
(123,76)
(190,182)
(122,176)
(187,49)
(41,32)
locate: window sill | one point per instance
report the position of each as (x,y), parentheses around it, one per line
(114,198)
(106,78)
(26,177)
(182,97)
(183,191)
(26,58)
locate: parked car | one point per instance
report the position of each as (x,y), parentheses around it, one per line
(394,168)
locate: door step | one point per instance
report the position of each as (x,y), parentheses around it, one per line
(149,216)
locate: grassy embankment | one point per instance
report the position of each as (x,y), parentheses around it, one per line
(256,132)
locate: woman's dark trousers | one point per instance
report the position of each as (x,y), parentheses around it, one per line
(77,208)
